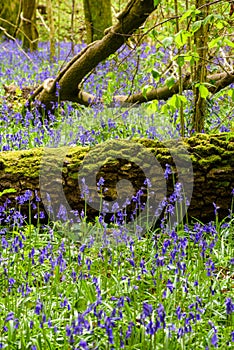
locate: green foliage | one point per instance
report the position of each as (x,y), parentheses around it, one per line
(6,191)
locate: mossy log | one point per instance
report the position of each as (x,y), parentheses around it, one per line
(203,163)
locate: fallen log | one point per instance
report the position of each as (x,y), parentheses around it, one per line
(204,164)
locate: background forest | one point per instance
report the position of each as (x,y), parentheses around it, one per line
(116,168)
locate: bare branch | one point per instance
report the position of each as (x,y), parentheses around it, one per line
(217,82)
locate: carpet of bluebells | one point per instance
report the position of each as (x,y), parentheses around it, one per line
(170,288)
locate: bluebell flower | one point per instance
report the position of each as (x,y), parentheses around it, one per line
(62,213)
(147,183)
(83,344)
(216,208)
(129,330)
(232,336)
(170,285)
(38,307)
(9,317)
(100,183)
(214,340)
(167,172)
(229,306)
(147,310)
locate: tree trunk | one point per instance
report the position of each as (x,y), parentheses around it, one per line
(9,17)
(52,30)
(202,163)
(30,39)
(97,18)
(200,70)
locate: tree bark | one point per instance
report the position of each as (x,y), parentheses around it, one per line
(97,18)
(200,69)
(51,28)
(9,17)
(211,174)
(30,38)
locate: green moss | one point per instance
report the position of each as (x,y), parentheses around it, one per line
(207,149)
(193,158)
(230,147)
(25,163)
(73,175)
(214,159)
(164,159)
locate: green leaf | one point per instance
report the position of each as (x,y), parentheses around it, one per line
(209,19)
(187,14)
(219,25)
(167,41)
(204,92)
(196,26)
(173,102)
(152,106)
(213,43)
(7,190)
(181,38)
(190,13)
(182,99)
(170,82)
(180,61)
(231,94)
(156,2)
(156,74)
(228,42)
(176,101)
(145,89)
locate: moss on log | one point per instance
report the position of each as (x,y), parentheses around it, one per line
(205,163)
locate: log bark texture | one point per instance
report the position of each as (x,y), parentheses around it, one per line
(56,172)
